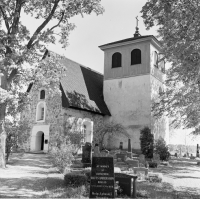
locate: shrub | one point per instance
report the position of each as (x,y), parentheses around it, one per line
(87,173)
(161,148)
(142,193)
(154,179)
(153,164)
(75,179)
(146,142)
(62,153)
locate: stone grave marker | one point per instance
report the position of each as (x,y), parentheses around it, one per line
(86,155)
(197,155)
(142,159)
(127,183)
(96,151)
(141,172)
(132,163)
(102,177)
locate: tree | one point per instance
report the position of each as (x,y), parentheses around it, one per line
(162,149)
(147,142)
(18,48)
(178,29)
(17,134)
(72,129)
(111,129)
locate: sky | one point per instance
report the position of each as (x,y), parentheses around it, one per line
(117,22)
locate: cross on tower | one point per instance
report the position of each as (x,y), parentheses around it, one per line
(137,21)
(137,34)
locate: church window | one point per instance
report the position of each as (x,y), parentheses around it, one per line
(116,60)
(136,57)
(40,111)
(42,94)
(155,57)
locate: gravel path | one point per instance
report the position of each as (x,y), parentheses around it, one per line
(184,176)
(28,175)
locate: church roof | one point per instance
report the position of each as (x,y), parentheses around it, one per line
(83,88)
(129,39)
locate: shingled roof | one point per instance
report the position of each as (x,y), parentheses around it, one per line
(82,88)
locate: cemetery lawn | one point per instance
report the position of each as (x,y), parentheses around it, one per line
(32,175)
(180,180)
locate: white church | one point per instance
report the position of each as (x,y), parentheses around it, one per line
(133,77)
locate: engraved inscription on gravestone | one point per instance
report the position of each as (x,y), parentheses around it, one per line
(102,178)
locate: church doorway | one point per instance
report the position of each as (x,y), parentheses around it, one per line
(39,141)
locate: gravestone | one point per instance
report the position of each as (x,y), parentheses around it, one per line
(141,172)
(96,151)
(197,151)
(102,177)
(132,163)
(129,152)
(121,146)
(86,155)
(129,145)
(127,183)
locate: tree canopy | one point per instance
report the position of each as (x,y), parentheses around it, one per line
(178,23)
(21,51)
(18,46)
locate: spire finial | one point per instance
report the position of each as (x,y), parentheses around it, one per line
(137,34)
(137,21)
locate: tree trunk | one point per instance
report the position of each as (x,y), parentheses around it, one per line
(2,136)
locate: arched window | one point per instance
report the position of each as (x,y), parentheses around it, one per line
(40,111)
(42,94)
(155,57)
(116,60)
(136,57)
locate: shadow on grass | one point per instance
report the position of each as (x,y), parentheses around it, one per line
(157,190)
(29,187)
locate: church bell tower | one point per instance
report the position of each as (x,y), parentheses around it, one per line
(133,76)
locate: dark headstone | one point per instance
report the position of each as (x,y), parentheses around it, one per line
(197,151)
(102,178)
(129,145)
(87,152)
(121,146)
(126,183)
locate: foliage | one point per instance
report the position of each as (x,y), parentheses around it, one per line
(61,152)
(161,148)
(178,29)
(154,179)
(153,164)
(17,135)
(22,50)
(72,129)
(111,129)
(146,142)
(75,179)
(142,193)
